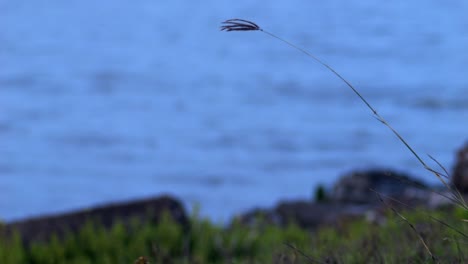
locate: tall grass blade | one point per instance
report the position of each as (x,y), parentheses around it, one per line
(246,25)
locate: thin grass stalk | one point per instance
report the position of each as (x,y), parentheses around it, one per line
(456,240)
(380,195)
(461,256)
(460,196)
(303,254)
(423,242)
(441,166)
(246,25)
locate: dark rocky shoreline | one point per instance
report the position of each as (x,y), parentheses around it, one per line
(361,194)
(146,210)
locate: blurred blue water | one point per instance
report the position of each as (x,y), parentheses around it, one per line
(110,100)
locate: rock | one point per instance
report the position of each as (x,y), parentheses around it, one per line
(460,171)
(312,215)
(303,213)
(257,217)
(353,197)
(361,187)
(42,228)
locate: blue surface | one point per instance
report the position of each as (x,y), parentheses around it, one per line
(111,100)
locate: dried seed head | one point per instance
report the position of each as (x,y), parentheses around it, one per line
(239,25)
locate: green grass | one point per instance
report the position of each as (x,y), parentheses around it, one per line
(354,241)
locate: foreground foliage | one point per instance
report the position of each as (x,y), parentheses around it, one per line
(352,241)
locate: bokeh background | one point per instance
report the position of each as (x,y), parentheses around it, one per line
(112,100)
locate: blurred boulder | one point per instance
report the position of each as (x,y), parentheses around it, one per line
(361,187)
(305,214)
(141,211)
(312,215)
(460,171)
(354,196)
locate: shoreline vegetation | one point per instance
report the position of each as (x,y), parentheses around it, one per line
(347,224)
(374,216)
